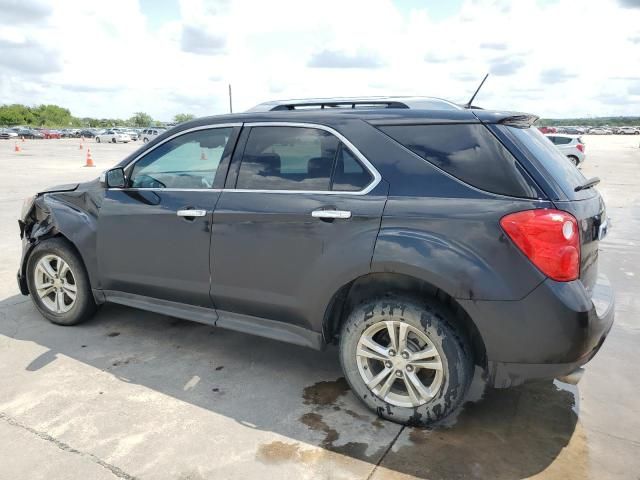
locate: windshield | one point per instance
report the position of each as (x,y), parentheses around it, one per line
(558,166)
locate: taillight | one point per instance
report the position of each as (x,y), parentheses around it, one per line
(580,147)
(549,238)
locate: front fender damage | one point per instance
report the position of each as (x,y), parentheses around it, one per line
(69,213)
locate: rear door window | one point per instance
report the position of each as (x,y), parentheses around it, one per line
(470,153)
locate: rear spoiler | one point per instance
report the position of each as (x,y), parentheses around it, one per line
(513,119)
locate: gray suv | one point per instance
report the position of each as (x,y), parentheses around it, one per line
(423,241)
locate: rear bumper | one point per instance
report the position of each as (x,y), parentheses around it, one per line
(550,333)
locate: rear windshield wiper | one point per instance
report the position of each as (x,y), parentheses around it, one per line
(593,181)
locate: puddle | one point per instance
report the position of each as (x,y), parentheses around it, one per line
(513,433)
(325,393)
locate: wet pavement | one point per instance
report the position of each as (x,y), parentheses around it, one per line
(132,394)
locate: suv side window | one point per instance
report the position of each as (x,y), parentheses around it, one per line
(562,140)
(469,152)
(287,158)
(188,161)
(349,174)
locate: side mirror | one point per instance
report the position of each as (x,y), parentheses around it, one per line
(113,178)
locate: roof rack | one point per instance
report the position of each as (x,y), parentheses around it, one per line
(428,103)
(340,104)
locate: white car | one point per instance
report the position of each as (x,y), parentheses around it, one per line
(7,134)
(570,145)
(149,134)
(599,131)
(112,136)
(629,131)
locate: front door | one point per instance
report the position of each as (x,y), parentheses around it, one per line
(301,218)
(154,235)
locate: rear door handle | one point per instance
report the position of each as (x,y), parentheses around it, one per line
(331,214)
(191,213)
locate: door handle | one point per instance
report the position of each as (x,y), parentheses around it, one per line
(331,214)
(191,213)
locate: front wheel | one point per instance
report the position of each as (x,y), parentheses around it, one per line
(97,139)
(405,360)
(58,283)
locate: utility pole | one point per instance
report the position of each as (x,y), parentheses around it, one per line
(230,101)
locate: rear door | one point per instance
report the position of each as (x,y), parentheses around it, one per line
(298,219)
(154,235)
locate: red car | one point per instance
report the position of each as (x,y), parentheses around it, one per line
(548,129)
(51,134)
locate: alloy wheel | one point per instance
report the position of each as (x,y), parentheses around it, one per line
(399,363)
(55,284)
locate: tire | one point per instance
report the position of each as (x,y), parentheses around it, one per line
(113,140)
(427,320)
(97,139)
(145,140)
(573,159)
(71,311)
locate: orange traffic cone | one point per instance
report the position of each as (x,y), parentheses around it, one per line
(89,162)
(16,148)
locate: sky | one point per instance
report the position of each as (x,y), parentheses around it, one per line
(554,58)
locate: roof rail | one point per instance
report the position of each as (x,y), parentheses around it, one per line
(428,103)
(340,104)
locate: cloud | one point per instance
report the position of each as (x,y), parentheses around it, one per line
(507,65)
(634,88)
(494,46)
(435,57)
(24,11)
(338,59)
(28,57)
(556,75)
(612,98)
(635,39)
(630,3)
(201,42)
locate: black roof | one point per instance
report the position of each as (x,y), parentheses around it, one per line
(374,116)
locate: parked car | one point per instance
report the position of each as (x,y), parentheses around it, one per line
(51,133)
(87,133)
(629,131)
(599,131)
(7,134)
(548,129)
(29,133)
(423,242)
(569,145)
(149,134)
(132,133)
(112,136)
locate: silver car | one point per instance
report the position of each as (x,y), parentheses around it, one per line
(570,145)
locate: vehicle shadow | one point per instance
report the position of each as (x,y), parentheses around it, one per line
(300,394)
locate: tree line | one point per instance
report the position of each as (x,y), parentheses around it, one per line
(54,116)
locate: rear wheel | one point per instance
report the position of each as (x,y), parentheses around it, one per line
(97,139)
(574,160)
(405,360)
(58,283)
(113,140)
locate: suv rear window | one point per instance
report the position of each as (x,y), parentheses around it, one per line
(564,173)
(470,153)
